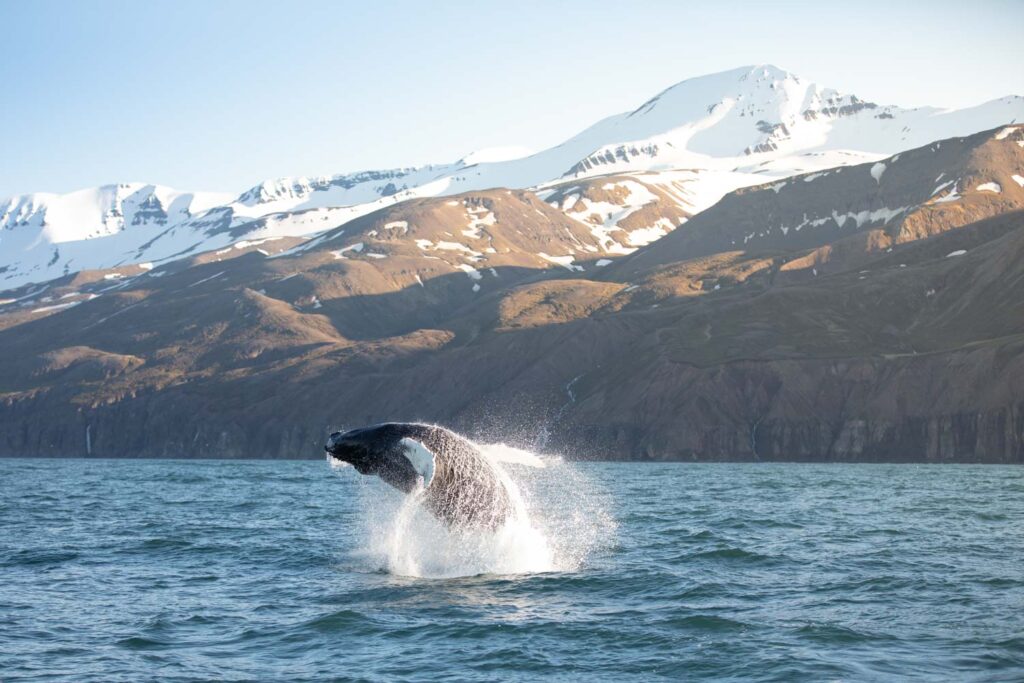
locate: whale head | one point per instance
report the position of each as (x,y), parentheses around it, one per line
(389,451)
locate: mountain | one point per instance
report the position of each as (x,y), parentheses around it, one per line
(707,136)
(889,326)
(845,214)
(45,235)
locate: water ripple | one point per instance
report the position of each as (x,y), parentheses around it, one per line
(182,571)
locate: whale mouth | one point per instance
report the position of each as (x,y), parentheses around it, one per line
(343,447)
(338,446)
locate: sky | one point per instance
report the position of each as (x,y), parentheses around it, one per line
(220,95)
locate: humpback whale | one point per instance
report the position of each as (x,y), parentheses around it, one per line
(459,484)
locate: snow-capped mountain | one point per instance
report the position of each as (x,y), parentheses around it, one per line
(709,135)
(47,235)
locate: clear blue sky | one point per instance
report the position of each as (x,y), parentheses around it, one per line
(218,95)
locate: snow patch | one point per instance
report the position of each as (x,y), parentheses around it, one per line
(564,261)
(207,279)
(455,246)
(958,252)
(644,236)
(477,221)
(951,197)
(990,187)
(56,307)
(469,270)
(602,262)
(861,218)
(602,218)
(1006,132)
(941,187)
(876,172)
(1018,179)
(340,253)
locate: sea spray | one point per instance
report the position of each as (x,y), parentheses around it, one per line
(559,519)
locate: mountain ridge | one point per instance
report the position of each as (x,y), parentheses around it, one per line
(735,126)
(499,313)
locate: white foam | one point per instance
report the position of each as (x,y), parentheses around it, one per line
(560,519)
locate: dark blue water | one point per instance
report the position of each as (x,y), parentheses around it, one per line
(175,570)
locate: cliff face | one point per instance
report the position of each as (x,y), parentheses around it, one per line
(962,406)
(855,410)
(871,340)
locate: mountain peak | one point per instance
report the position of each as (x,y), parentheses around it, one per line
(734,127)
(766,71)
(727,80)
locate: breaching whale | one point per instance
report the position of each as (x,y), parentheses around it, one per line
(459,485)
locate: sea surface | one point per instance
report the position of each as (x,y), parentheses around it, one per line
(174,570)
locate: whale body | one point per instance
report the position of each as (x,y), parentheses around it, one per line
(459,485)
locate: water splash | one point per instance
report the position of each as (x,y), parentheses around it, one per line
(560,519)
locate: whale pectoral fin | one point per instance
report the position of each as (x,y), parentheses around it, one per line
(421,458)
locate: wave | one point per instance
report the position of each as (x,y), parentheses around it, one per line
(559,518)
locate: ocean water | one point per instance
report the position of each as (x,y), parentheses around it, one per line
(216,570)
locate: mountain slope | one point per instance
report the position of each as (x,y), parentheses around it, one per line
(714,134)
(858,209)
(910,351)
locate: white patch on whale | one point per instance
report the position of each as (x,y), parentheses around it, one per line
(421,458)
